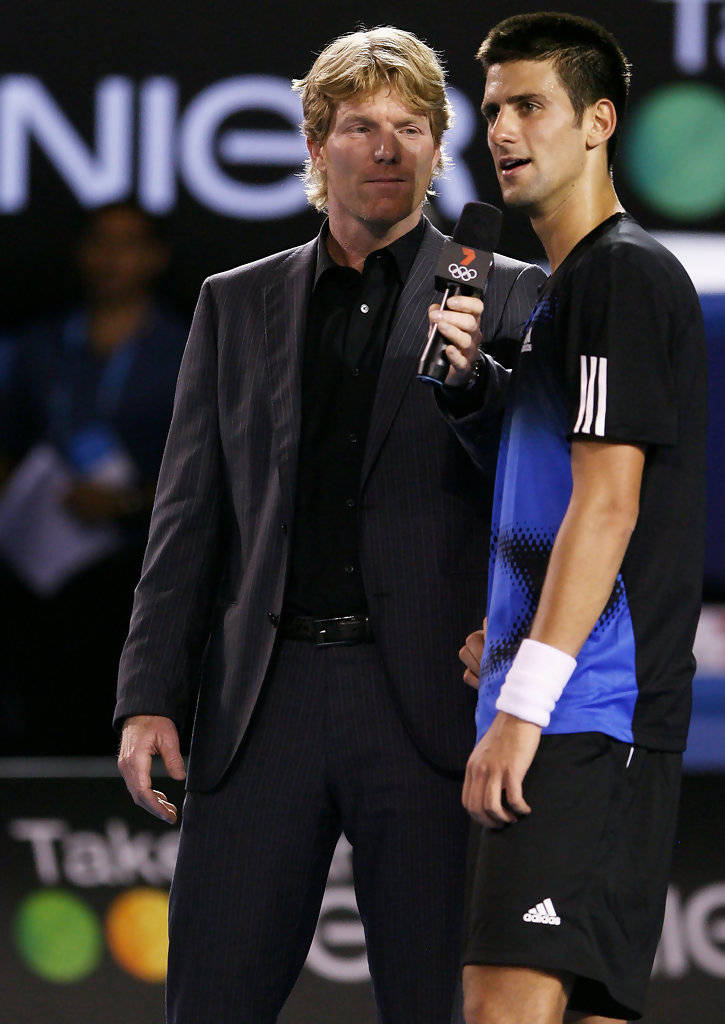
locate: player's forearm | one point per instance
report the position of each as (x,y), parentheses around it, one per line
(586,557)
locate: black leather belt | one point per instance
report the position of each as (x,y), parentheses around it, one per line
(346,629)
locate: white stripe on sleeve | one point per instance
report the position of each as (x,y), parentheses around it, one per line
(589,413)
(582,393)
(599,425)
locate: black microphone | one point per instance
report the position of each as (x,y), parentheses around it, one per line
(463,269)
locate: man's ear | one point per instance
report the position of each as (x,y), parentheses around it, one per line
(317,156)
(602,122)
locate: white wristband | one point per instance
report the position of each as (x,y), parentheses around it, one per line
(535,682)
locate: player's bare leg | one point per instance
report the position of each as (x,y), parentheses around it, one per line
(511,995)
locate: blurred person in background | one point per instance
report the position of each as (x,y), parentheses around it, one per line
(86,400)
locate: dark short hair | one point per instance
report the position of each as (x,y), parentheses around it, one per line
(588,59)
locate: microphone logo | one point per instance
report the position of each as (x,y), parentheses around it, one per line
(462,272)
(469,256)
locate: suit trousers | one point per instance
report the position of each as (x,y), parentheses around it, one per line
(325,753)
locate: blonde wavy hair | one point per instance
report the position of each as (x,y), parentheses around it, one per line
(360,64)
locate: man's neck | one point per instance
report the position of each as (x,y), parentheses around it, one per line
(565,224)
(351,242)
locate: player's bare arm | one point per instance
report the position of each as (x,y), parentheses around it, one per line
(586,557)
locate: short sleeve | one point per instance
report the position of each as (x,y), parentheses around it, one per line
(616,328)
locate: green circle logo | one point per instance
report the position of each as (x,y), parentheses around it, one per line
(58,935)
(674,151)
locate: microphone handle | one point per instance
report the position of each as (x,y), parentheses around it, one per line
(434,366)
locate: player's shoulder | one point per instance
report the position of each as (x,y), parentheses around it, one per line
(621,250)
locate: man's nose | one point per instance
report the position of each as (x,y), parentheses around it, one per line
(386,149)
(503,127)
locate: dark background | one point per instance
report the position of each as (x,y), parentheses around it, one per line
(68,47)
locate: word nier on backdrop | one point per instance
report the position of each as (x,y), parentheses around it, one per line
(192,146)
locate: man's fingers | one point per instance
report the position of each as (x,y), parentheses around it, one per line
(171,755)
(470,679)
(493,802)
(156,803)
(515,797)
(475,642)
(466,304)
(473,799)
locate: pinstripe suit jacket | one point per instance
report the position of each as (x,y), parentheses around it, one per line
(212,586)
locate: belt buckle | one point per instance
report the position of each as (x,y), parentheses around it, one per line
(341,624)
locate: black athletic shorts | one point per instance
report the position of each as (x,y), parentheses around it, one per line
(579,885)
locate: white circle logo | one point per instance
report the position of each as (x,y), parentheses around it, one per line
(462,273)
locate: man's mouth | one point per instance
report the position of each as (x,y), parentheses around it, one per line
(510,164)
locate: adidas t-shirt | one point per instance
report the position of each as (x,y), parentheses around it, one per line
(614,350)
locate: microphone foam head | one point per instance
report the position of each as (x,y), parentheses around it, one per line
(479,226)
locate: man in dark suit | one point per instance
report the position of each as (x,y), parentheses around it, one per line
(319,542)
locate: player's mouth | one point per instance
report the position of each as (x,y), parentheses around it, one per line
(509,165)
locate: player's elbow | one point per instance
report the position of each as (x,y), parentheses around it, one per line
(613,515)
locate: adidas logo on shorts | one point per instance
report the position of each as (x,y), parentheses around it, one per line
(542,913)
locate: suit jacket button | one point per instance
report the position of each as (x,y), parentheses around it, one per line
(274,619)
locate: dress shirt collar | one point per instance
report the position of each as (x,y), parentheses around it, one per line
(403,251)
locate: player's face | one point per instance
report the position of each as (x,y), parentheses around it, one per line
(378,156)
(537,148)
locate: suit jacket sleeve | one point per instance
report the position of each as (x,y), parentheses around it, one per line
(509,301)
(158,669)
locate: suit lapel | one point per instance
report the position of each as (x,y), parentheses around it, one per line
(286,299)
(405,345)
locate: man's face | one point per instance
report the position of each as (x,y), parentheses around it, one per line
(119,257)
(537,148)
(378,157)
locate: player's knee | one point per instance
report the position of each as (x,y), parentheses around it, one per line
(479,1006)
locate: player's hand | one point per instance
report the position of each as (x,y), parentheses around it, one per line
(143,736)
(459,324)
(493,787)
(471,653)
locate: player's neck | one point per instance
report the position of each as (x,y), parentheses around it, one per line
(567,221)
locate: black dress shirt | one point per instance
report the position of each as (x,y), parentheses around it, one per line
(347,330)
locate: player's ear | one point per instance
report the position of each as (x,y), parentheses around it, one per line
(602,121)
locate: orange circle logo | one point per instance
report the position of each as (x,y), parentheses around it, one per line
(137,932)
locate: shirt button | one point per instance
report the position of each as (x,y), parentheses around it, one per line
(365,308)
(350,503)
(284,528)
(274,619)
(356,372)
(349,569)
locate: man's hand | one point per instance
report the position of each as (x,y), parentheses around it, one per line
(496,770)
(143,736)
(459,323)
(471,653)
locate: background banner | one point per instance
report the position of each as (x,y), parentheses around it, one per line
(85,892)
